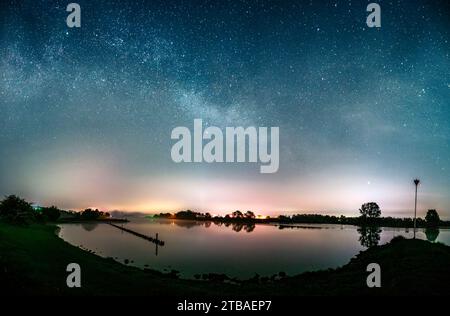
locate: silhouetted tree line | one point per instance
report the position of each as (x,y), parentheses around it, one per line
(370,216)
(90,214)
(357,221)
(236,216)
(16,210)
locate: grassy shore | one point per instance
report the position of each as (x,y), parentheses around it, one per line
(33,260)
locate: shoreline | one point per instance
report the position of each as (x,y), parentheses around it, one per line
(29,267)
(218,275)
(353,222)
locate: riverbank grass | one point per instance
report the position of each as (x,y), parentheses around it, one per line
(33,260)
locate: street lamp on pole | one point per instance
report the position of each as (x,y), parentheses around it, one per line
(416,182)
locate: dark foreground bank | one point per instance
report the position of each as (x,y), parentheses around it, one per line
(33,260)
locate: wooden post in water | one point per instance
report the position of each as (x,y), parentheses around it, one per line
(151,239)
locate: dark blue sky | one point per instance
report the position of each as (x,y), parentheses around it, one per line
(87,112)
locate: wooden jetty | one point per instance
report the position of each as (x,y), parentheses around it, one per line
(151,239)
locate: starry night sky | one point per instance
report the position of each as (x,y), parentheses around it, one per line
(86,113)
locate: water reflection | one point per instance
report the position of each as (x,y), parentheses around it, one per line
(89,226)
(432,234)
(369,236)
(237,227)
(235,249)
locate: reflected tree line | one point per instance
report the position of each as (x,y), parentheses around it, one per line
(369,228)
(370,234)
(235,226)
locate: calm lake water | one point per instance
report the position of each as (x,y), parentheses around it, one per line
(236,250)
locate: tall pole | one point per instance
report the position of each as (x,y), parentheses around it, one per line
(416,182)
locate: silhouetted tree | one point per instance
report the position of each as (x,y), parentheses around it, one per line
(15,209)
(186,215)
(90,214)
(370,210)
(432,218)
(237,214)
(249,215)
(51,213)
(284,219)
